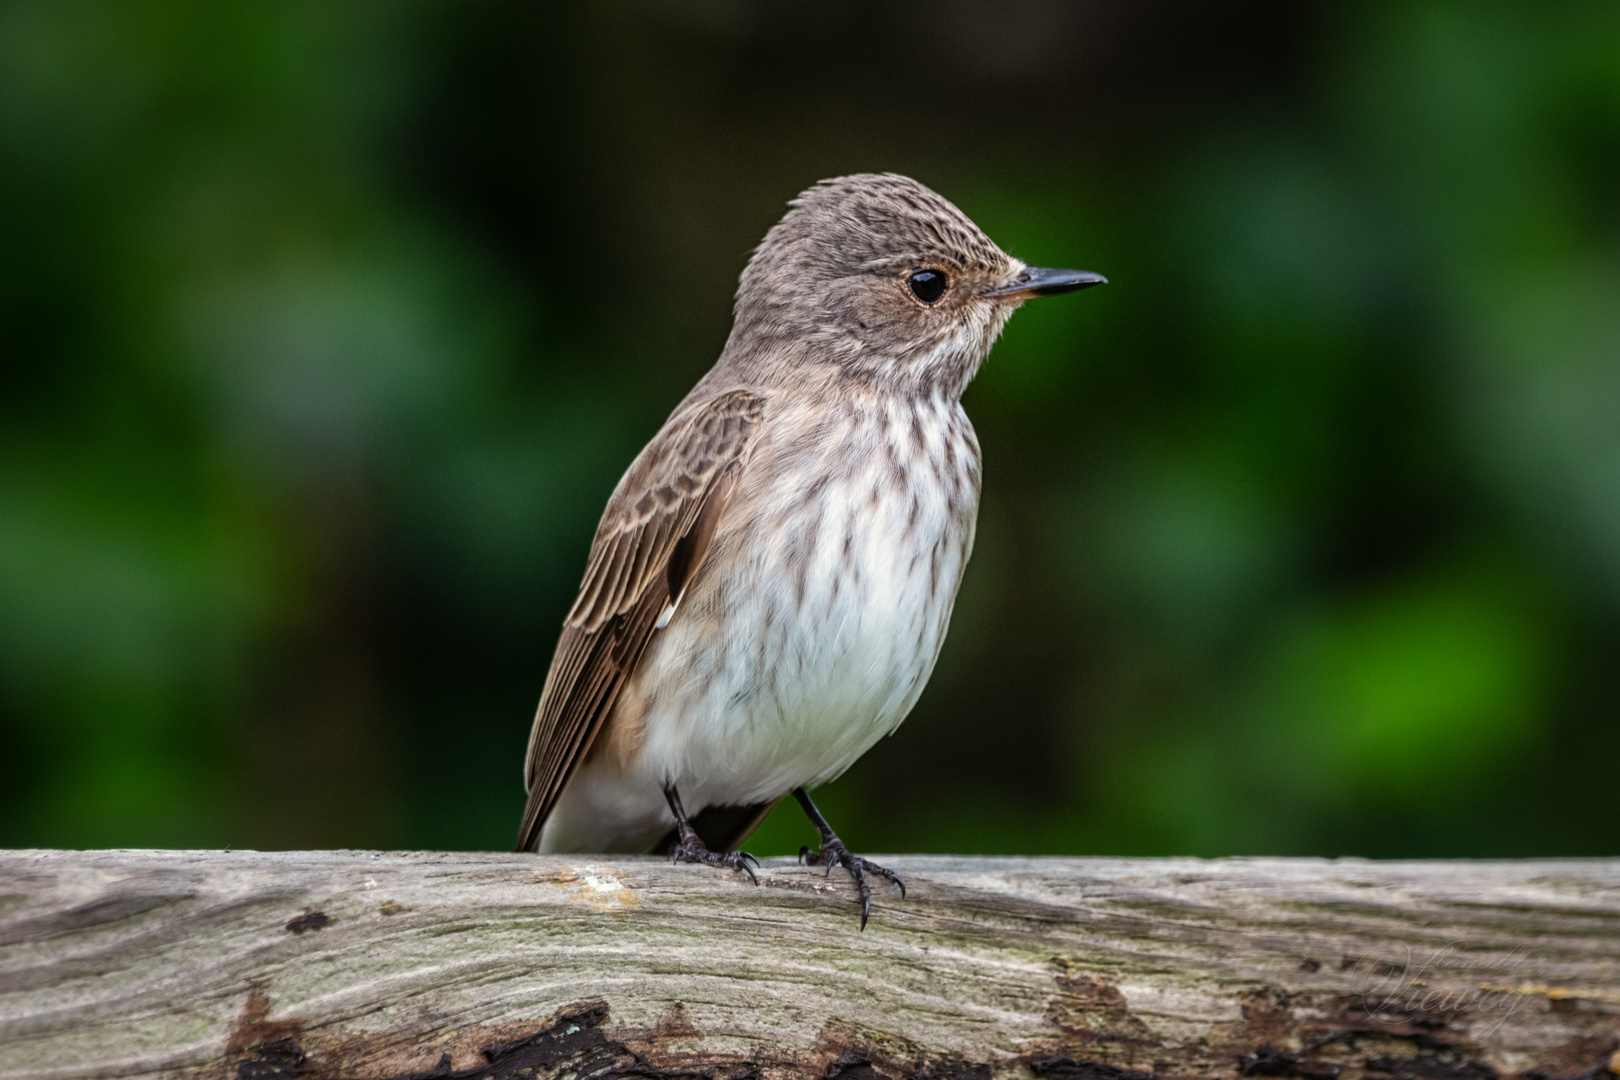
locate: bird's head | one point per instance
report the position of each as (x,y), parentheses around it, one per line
(886,279)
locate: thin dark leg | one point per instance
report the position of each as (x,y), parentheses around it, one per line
(834,853)
(690,848)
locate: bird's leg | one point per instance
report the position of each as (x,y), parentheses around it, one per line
(834,853)
(690,847)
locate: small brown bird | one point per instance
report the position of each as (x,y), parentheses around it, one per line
(772,578)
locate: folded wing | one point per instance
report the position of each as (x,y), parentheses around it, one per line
(653,537)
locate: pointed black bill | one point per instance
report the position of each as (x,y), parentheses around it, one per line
(1037,281)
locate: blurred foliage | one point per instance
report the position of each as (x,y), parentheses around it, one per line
(328,329)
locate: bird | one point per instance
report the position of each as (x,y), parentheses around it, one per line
(772,579)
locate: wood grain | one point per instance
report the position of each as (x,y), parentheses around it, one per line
(369,965)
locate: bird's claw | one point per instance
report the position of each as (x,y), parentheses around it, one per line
(834,853)
(691,849)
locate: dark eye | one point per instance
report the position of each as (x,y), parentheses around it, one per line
(927,285)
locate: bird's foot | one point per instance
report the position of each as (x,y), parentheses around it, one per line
(691,850)
(834,853)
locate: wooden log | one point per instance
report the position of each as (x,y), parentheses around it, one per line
(369,965)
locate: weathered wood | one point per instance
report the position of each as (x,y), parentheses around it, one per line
(356,964)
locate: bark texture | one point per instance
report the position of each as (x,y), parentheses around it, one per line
(255,965)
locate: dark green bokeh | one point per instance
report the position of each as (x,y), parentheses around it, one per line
(328,329)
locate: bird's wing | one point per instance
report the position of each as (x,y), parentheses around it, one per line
(652,539)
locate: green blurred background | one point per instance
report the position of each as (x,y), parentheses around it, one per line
(327,329)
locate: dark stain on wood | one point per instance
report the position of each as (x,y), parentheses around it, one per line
(1282,1033)
(1094,1017)
(1432,1065)
(1062,1068)
(310,920)
(954,1070)
(853,1065)
(277,1058)
(1575,1060)
(1270,1061)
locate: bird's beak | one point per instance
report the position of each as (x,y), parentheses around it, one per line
(1035,281)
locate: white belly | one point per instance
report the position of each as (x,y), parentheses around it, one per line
(814,642)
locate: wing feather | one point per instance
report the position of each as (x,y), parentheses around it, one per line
(653,537)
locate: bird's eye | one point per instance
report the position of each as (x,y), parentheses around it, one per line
(927,285)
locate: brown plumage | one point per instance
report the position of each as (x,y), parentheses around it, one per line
(772,578)
(652,539)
